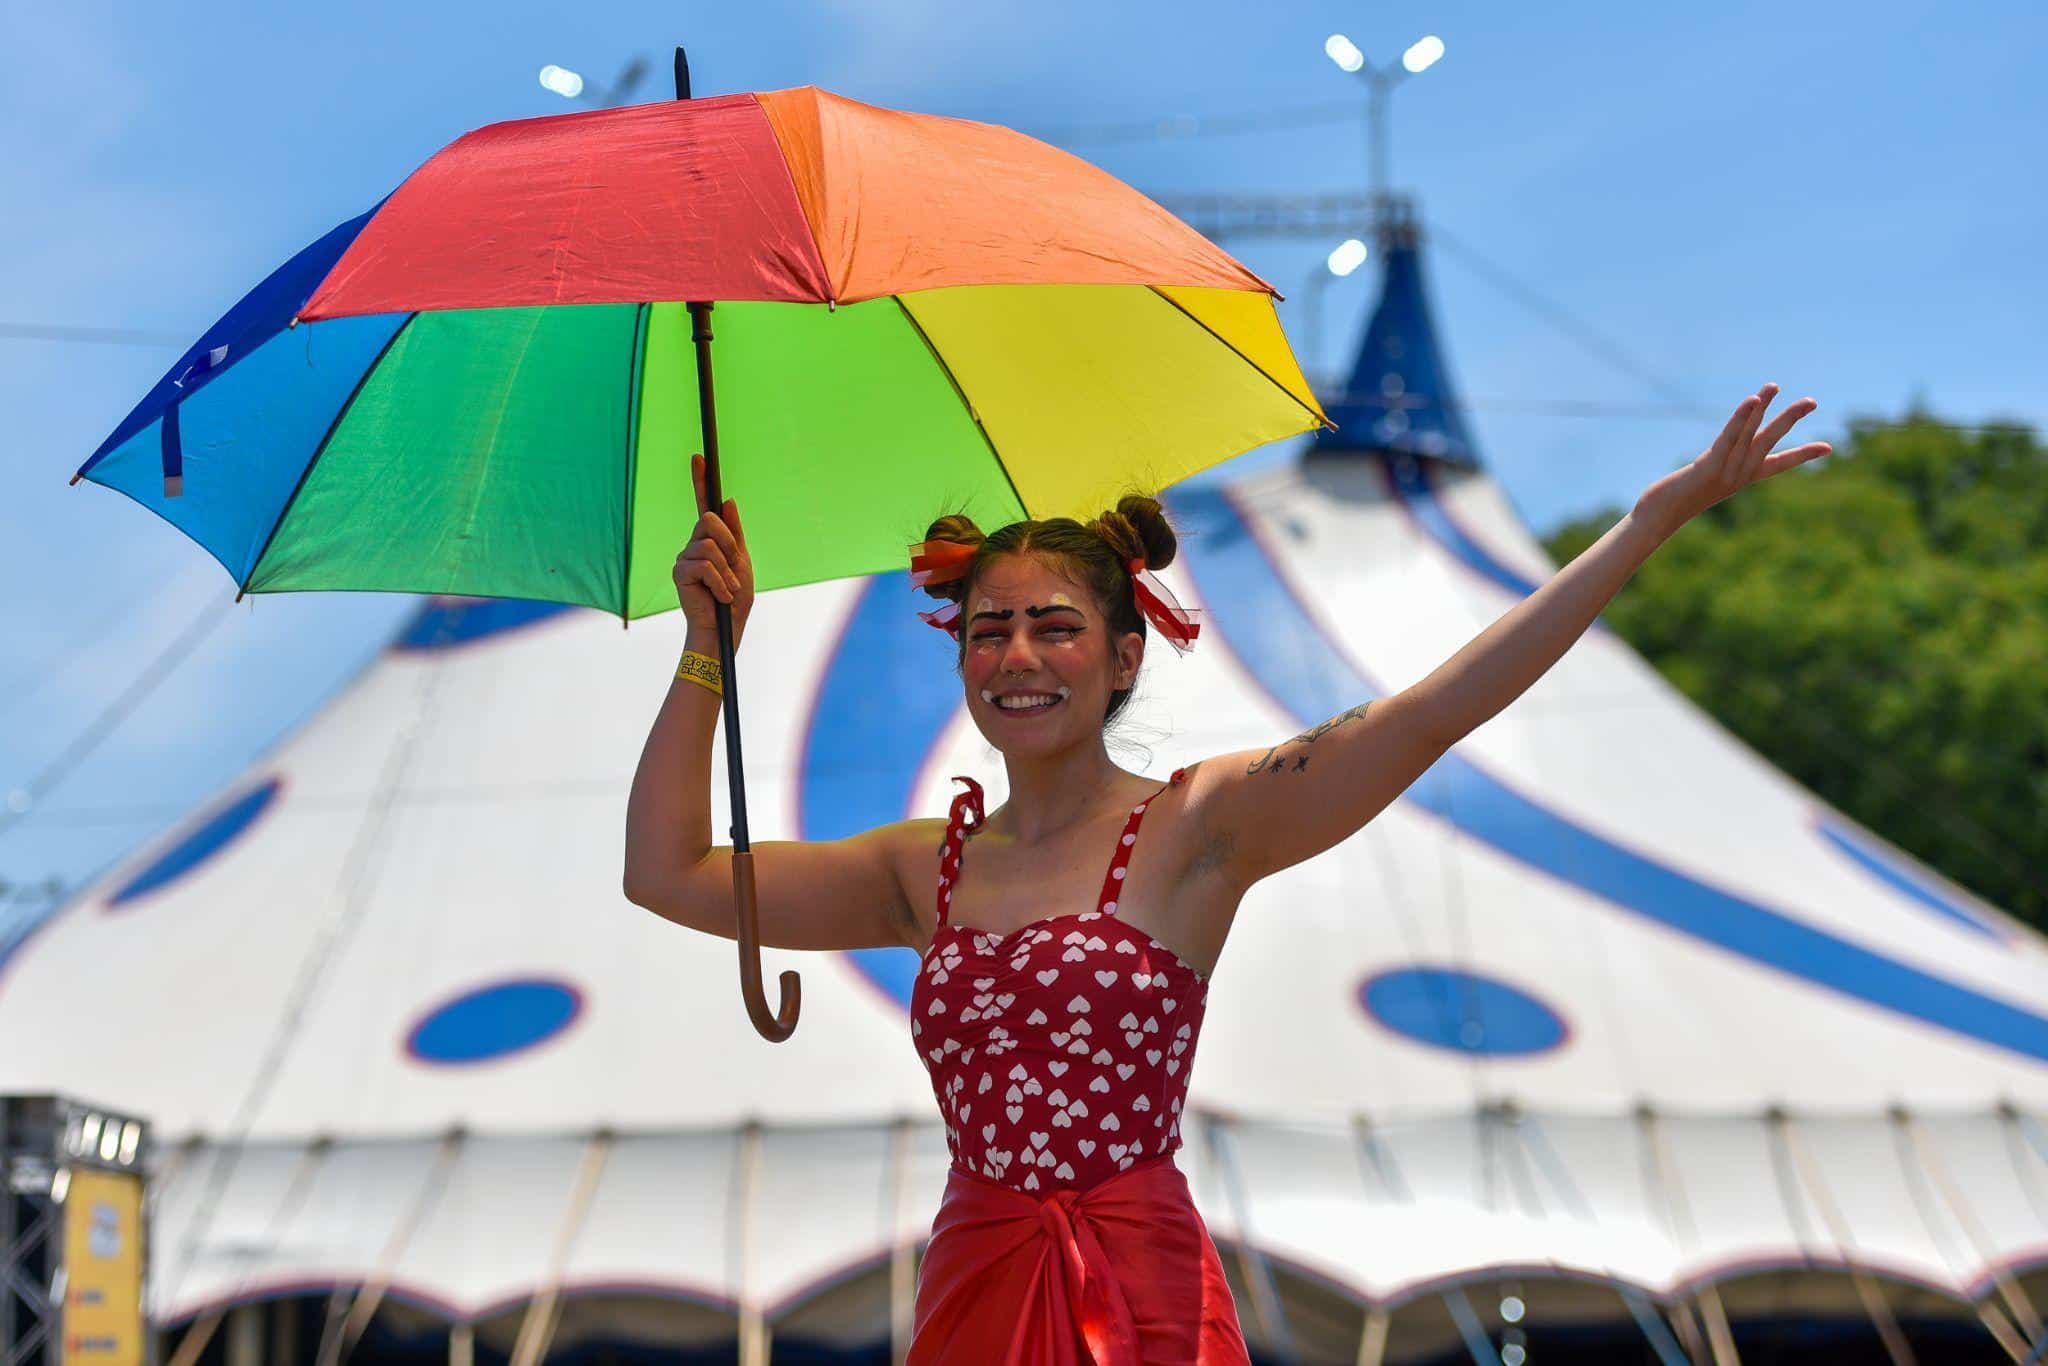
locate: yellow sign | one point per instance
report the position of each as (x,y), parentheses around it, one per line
(103,1269)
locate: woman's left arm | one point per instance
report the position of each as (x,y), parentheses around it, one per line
(1267,810)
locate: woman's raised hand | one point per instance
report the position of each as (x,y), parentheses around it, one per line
(1739,457)
(714,566)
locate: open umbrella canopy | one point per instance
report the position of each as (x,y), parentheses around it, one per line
(487,385)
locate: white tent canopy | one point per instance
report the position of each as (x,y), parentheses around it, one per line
(1604,1002)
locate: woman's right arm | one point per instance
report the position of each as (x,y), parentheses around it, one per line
(810,894)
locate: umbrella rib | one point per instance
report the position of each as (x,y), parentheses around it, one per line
(339,416)
(636,373)
(1321,419)
(965,402)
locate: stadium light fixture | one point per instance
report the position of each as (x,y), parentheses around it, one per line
(1344,52)
(561,80)
(1349,256)
(1422,55)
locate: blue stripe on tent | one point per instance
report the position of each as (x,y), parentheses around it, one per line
(1412,487)
(199,844)
(1903,877)
(444,623)
(1413,484)
(889,682)
(1287,654)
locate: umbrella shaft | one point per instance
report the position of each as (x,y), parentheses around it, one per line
(707,410)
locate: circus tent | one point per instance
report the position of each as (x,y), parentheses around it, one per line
(1606,1021)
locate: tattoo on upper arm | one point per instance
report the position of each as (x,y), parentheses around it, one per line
(1307,737)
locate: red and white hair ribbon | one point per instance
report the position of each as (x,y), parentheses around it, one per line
(947,619)
(940,562)
(1180,625)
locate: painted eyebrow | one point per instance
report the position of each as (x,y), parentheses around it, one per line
(1034,612)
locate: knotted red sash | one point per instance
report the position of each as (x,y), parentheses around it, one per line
(1121,1274)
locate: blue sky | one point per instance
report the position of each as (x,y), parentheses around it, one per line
(1842,197)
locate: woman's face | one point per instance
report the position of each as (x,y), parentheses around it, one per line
(1037,639)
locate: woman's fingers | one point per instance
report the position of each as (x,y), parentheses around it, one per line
(716,556)
(700,570)
(1782,423)
(726,527)
(1780,461)
(732,520)
(1725,442)
(1761,447)
(708,551)
(714,529)
(1756,419)
(706,545)
(731,543)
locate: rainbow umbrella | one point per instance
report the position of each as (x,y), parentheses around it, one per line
(491,383)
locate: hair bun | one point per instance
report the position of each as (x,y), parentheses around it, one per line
(960,529)
(1137,525)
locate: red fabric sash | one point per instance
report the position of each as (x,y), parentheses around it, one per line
(1121,1274)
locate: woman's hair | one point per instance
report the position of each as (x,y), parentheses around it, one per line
(1093,554)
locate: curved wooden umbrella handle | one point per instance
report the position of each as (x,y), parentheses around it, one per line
(780,1025)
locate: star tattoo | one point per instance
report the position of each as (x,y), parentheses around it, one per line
(1307,737)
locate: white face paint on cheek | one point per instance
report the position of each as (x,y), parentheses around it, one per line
(982,646)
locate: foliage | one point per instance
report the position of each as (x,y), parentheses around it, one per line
(1876,623)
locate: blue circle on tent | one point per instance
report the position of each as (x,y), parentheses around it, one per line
(199,844)
(492,1022)
(1464,1012)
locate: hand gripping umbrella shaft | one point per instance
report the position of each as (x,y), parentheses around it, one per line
(774,1027)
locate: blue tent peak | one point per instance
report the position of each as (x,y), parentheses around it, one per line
(1399,397)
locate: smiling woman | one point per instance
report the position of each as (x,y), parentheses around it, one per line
(1060,991)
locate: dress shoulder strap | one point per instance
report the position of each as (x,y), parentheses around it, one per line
(964,817)
(1113,880)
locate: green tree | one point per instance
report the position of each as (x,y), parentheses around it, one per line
(1876,624)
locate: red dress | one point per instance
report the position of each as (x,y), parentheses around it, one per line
(1059,1053)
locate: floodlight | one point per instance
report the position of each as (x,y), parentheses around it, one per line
(561,80)
(1422,54)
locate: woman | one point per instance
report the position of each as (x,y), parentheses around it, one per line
(1065,960)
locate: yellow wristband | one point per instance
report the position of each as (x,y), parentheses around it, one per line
(702,670)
